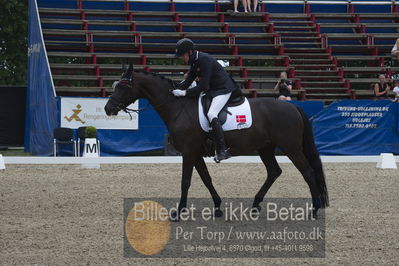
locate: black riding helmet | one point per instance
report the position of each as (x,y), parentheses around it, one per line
(183,46)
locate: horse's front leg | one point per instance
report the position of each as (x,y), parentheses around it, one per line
(188,165)
(202,170)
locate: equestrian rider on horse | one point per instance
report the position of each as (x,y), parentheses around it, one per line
(214,82)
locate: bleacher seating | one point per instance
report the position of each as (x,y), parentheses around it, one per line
(328,55)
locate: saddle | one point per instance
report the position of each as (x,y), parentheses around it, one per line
(235,99)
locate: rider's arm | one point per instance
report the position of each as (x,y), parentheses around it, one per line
(289,85)
(206,70)
(188,81)
(277,85)
(377,91)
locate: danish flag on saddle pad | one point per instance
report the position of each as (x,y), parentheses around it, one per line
(241,118)
(238,117)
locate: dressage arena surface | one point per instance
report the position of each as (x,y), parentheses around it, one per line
(61,214)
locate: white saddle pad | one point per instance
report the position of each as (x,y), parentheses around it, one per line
(240,117)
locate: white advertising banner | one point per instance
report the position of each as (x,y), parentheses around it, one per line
(80,112)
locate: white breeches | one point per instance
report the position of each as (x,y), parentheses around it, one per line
(216,106)
(394,51)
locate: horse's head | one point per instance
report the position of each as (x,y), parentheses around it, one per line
(124,93)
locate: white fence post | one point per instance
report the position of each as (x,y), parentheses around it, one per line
(2,165)
(386,161)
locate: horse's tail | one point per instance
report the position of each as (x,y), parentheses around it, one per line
(312,154)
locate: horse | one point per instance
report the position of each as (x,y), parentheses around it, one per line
(275,124)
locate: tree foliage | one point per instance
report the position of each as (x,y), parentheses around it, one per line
(13,42)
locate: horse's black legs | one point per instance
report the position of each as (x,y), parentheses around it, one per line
(188,164)
(273,171)
(302,164)
(199,163)
(206,178)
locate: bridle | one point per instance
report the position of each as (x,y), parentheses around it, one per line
(121,106)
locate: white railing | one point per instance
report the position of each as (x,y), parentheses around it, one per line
(174,159)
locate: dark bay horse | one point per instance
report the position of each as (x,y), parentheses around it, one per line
(275,124)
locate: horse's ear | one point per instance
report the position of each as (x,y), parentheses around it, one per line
(129,73)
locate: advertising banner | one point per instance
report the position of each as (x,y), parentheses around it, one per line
(285,228)
(41,102)
(361,127)
(79,112)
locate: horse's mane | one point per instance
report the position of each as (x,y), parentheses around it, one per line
(159,76)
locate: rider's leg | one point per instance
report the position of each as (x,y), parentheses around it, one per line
(281,98)
(255,5)
(235,5)
(245,4)
(216,106)
(395,50)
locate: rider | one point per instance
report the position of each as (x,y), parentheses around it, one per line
(213,81)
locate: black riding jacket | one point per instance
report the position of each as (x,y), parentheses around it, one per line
(213,79)
(283,88)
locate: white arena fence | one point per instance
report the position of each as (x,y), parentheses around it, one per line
(174,159)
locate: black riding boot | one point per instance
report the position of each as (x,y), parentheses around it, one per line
(222,153)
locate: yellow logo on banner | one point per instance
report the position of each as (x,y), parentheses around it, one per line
(75,115)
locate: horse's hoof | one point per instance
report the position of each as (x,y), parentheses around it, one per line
(218,213)
(174,216)
(313,215)
(256,209)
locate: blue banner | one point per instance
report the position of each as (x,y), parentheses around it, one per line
(311,108)
(151,132)
(41,103)
(149,136)
(357,128)
(344,128)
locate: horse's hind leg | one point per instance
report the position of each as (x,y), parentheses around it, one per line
(303,165)
(273,171)
(206,178)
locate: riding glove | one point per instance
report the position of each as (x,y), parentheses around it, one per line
(179,93)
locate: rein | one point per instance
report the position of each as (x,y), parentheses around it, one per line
(129,111)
